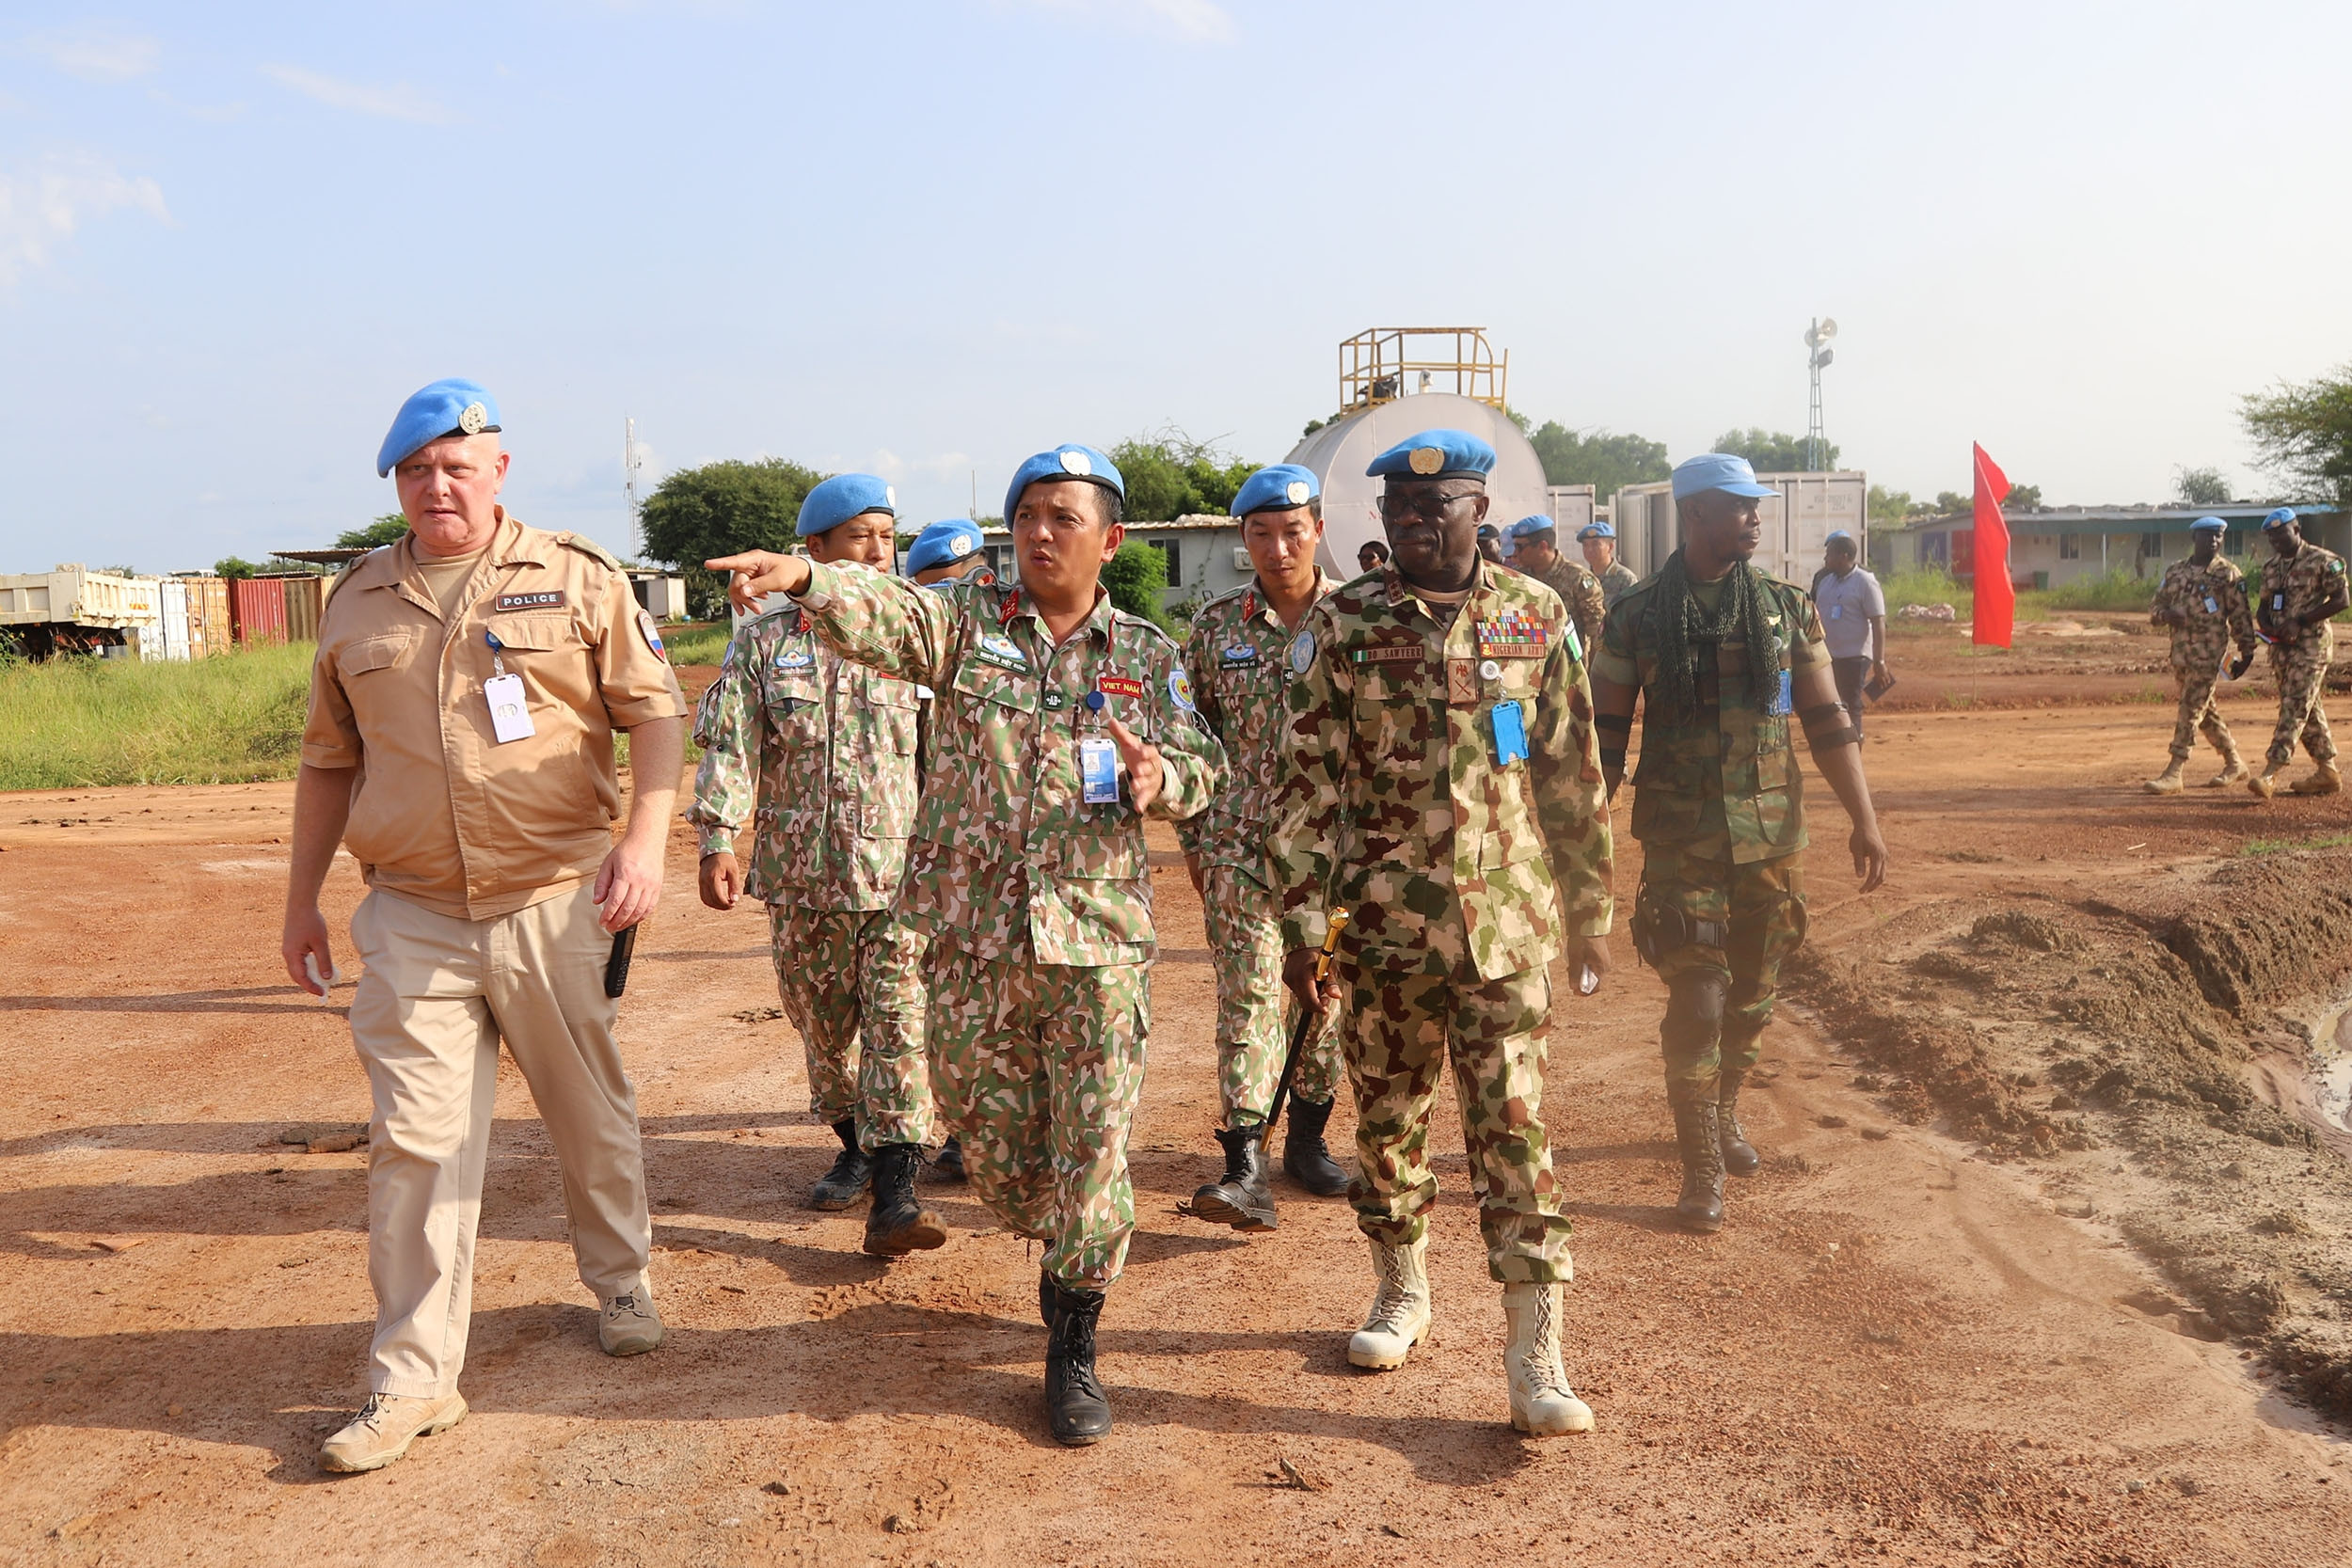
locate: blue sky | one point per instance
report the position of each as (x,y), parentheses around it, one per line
(929,238)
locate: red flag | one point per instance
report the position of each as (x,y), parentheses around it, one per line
(1997,601)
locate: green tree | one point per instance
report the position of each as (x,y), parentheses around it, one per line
(385,529)
(1133,578)
(2022,498)
(1606,462)
(2201,487)
(1889,508)
(1170,474)
(719,509)
(1772,452)
(2303,433)
(1951,501)
(234,566)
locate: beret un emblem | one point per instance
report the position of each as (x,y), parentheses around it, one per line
(474,419)
(1426,460)
(1076,463)
(1297,492)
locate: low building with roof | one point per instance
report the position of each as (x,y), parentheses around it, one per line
(2054,546)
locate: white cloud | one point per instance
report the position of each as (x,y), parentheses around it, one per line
(398,101)
(1194,21)
(97,52)
(42,206)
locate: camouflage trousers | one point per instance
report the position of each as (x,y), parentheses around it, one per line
(1040,1069)
(1253,1011)
(1742,920)
(852,984)
(1399,1029)
(2199,713)
(2300,669)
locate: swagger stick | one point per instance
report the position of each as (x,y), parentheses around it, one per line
(1308,1019)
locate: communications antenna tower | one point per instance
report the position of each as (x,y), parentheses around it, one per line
(1818,353)
(630,465)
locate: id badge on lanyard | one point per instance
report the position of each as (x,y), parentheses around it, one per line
(510,713)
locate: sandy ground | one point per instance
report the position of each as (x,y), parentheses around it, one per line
(1898,1348)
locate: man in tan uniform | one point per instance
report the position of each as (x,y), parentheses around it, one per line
(468,685)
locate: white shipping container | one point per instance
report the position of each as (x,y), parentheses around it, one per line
(173,621)
(1571,507)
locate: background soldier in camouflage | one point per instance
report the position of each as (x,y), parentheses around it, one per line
(1448,793)
(1028,871)
(826,750)
(1719,655)
(2204,600)
(1536,550)
(1235,657)
(2302,587)
(1598,540)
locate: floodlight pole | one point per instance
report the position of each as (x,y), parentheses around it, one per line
(1815,438)
(630,464)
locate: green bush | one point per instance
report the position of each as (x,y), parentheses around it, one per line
(1924,586)
(68,723)
(2115,589)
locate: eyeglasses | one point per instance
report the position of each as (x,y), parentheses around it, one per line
(1431,507)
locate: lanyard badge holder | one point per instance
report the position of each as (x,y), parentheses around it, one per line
(510,715)
(1098,763)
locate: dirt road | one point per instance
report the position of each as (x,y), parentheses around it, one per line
(1898,1349)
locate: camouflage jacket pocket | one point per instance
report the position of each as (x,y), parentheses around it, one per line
(991,715)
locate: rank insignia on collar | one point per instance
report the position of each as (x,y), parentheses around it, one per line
(1513,634)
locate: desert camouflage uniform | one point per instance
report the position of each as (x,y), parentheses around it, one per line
(1235,656)
(825,748)
(1719,808)
(1037,906)
(1456,871)
(1581,592)
(2211,600)
(2307,587)
(1615,581)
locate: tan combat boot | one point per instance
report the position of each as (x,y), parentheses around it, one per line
(1542,1404)
(384,1427)
(2265,783)
(630,1324)
(2323,780)
(2233,770)
(2167,782)
(1399,1319)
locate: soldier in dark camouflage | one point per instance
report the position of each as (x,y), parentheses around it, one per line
(1536,550)
(1719,655)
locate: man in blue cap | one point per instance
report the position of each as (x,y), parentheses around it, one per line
(822,757)
(468,682)
(2303,590)
(1598,539)
(1060,723)
(948,551)
(2203,600)
(1722,658)
(1534,544)
(1235,658)
(1447,799)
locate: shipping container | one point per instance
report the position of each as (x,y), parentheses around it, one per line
(257,610)
(1571,507)
(306,596)
(1806,510)
(208,615)
(172,624)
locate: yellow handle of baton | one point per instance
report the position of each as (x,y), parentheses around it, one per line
(1330,945)
(1307,1022)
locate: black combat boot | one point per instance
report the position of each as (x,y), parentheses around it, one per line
(1698,1130)
(1075,1406)
(1306,1158)
(840,1186)
(1045,1298)
(1739,1156)
(949,1165)
(1241,1197)
(896,1225)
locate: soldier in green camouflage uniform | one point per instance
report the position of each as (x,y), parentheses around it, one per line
(2302,588)
(1536,552)
(1037,901)
(2204,600)
(1720,657)
(820,754)
(1598,540)
(1235,657)
(1448,795)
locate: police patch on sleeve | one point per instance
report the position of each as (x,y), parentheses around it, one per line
(1179,689)
(1302,651)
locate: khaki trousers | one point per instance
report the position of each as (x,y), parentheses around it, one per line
(439,995)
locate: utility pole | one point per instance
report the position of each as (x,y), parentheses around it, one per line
(631,465)
(1816,353)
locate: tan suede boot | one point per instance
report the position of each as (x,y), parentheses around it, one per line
(2167,782)
(1542,1404)
(2323,780)
(2265,783)
(1399,1317)
(2233,770)
(384,1427)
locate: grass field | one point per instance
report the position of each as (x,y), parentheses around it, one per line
(69,722)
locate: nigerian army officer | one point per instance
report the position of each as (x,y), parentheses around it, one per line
(462,703)
(1598,540)
(1234,656)
(2203,600)
(1720,657)
(2302,589)
(819,754)
(1536,550)
(1059,723)
(1447,794)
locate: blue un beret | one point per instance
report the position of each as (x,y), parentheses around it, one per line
(2283,515)
(943,544)
(1527,527)
(1718,471)
(452,407)
(2209,525)
(1277,487)
(1434,454)
(1064,462)
(1597,529)
(842,497)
